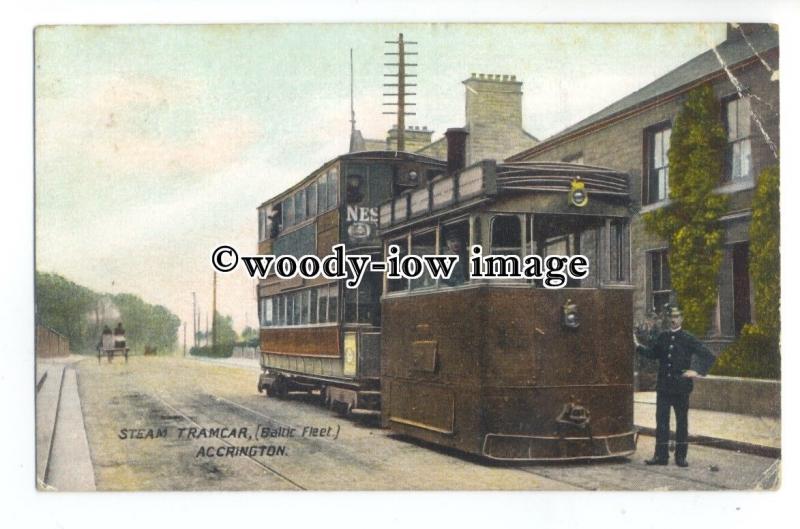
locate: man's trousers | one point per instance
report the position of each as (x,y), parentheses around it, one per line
(680,403)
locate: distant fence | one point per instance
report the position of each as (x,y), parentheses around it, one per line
(247,353)
(49,343)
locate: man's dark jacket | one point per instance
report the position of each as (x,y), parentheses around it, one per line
(676,352)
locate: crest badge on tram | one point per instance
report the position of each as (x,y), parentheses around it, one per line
(578,196)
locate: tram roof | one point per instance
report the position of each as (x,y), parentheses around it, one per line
(489,180)
(359,155)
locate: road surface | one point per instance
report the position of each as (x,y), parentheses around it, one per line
(162,423)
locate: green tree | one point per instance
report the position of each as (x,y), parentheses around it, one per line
(80,314)
(757,351)
(67,308)
(224,330)
(690,222)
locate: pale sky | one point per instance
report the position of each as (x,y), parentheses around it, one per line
(154,144)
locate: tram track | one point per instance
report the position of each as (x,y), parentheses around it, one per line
(252,459)
(630,466)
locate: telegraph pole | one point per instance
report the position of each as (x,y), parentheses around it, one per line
(214,314)
(401,85)
(194,318)
(352,104)
(184,339)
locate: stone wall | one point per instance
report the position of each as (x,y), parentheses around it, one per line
(737,395)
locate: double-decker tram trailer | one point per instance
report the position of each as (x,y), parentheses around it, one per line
(316,334)
(506,368)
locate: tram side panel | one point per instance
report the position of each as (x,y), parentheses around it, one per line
(555,392)
(431,366)
(492,370)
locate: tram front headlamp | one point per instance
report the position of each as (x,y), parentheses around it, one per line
(569,317)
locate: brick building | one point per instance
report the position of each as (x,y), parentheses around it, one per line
(633,135)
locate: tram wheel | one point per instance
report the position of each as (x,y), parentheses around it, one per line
(280,388)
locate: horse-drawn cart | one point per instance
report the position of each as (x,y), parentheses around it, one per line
(112,345)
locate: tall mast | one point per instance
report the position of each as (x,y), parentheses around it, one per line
(401,85)
(352,106)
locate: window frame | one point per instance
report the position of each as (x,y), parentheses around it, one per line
(728,176)
(651,171)
(663,263)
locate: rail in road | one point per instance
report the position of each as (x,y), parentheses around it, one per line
(146,393)
(225,441)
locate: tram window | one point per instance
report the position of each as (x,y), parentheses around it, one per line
(454,241)
(300,206)
(423,244)
(289,309)
(589,244)
(280,304)
(351,305)
(322,193)
(268,311)
(288,212)
(304,307)
(323,304)
(395,285)
(333,188)
(360,304)
(333,304)
(274,221)
(311,199)
(557,246)
(297,317)
(506,235)
(619,239)
(355,189)
(313,305)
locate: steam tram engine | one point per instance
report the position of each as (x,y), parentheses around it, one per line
(506,368)
(316,334)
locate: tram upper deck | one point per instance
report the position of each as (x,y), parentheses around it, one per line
(316,328)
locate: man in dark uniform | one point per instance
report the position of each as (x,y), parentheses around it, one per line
(681,357)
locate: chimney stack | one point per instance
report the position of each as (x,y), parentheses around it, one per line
(456,149)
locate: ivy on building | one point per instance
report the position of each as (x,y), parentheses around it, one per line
(757,351)
(690,222)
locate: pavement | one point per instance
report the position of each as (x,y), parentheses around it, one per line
(63,458)
(749,434)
